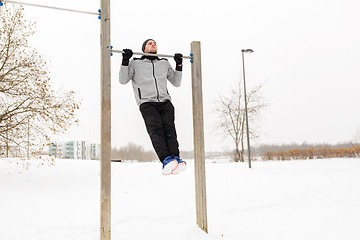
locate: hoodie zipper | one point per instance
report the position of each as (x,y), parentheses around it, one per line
(156,84)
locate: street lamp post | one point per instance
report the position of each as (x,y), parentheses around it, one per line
(246,111)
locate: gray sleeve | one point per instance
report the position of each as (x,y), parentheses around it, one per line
(126,73)
(174,76)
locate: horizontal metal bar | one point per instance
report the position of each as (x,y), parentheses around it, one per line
(56,8)
(151,54)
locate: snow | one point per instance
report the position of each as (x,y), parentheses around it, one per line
(280,200)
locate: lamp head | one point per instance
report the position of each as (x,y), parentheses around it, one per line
(247,50)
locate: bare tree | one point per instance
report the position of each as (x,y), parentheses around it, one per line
(30,110)
(133,151)
(356,137)
(230,110)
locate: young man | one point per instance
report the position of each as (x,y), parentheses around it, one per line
(149,76)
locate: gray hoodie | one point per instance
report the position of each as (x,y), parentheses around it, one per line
(149,79)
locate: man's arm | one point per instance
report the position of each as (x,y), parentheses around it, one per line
(126,72)
(175,76)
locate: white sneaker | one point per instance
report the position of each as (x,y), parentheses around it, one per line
(169,165)
(181,166)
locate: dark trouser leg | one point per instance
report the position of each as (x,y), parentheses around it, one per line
(154,126)
(168,116)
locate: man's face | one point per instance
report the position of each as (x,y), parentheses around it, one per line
(151,47)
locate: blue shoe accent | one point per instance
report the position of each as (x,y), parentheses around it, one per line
(179,160)
(167,160)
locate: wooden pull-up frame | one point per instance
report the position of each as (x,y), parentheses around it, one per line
(198,122)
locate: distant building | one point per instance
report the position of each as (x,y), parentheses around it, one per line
(52,149)
(95,151)
(75,150)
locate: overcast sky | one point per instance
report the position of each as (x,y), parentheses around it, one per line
(306,52)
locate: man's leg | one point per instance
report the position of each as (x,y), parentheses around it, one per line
(168,116)
(154,127)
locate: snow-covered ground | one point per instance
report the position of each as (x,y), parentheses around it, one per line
(304,200)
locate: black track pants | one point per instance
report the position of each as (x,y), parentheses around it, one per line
(159,119)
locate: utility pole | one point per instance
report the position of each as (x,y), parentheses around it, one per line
(245,98)
(199,146)
(105,48)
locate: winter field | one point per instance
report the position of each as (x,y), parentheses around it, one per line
(275,200)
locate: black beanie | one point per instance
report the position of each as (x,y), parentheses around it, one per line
(144,44)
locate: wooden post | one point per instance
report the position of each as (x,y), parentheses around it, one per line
(105,207)
(199,150)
